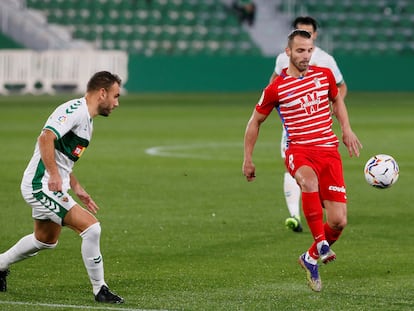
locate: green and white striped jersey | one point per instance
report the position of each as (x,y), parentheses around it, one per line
(73,128)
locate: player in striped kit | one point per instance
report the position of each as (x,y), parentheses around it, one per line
(303,95)
(48,177)
(322,59)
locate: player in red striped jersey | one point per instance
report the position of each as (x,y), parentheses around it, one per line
(291,189)
(304,96)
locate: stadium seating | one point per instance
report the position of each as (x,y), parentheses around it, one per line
(152,27)
(364,26)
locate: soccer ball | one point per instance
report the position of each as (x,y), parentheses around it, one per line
(381,171)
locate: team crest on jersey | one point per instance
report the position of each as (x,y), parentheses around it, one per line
(310,103)
(317,82)
(78,151)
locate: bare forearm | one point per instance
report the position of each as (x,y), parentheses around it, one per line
(83,195)
(250,138)
(74,183)
(349,138)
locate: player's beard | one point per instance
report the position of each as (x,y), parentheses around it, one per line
(104,111)
(302,66)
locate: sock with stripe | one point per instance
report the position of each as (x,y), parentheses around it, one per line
(92,257)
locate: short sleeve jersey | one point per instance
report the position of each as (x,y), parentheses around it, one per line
(73,126)
(319,58)
(304,106)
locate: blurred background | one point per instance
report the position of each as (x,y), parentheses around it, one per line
(51,46)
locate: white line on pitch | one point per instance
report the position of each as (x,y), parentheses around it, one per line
(54,305)
(177,151)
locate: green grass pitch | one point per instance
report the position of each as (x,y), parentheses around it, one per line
(183,230)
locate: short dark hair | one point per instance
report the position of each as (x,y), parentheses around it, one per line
(306,20)
(298,32)
(102,79)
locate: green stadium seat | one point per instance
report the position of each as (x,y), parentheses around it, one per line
(409,8)
(150,27)
(375,22)
(155,18)
(35,4)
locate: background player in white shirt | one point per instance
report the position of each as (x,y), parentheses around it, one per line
(48,178)
(322,59)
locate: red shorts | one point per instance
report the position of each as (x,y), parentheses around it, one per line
(327,165)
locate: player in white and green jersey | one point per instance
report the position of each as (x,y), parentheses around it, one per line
(72,126)
(48,178)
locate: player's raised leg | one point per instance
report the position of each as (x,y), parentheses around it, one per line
(336,221)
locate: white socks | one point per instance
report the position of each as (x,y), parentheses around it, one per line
(26,247)
(292,195)
(92,257)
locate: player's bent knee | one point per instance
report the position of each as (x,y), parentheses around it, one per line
(339,225)
(93,232)
(41,245)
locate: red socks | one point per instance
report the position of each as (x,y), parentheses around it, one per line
(312,209)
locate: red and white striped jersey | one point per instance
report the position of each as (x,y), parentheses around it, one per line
(303,105)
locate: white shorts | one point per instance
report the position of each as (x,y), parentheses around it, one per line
(283,143)
(48,205)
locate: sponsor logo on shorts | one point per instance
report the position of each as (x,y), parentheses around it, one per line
(337,189)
